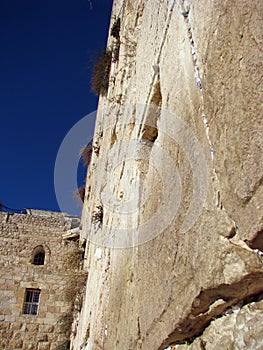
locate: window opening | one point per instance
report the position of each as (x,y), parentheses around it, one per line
(31,302)
(39,258)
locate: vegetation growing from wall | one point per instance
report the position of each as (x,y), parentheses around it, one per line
(86,154)
(97,215)
(80,193)
(115,33)
(74,259)
(73,291)
(115,29)
(101,72)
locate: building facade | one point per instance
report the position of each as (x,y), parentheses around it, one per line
(35,279)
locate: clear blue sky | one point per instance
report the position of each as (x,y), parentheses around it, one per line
(45,68)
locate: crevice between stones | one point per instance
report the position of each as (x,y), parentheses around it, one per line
(256,242)
(214,303)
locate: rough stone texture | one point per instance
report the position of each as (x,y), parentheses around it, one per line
(240,329)
(20,234)
(201,62)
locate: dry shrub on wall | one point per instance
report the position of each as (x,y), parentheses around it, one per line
(86,154)
(80,193)
(77,278)
(115,30)
(74,290)
(97,215)
(101,72)
(74,259)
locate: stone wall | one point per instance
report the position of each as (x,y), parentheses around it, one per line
(20,234)
(240,327)
(173,207)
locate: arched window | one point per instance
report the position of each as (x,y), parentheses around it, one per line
(38,257)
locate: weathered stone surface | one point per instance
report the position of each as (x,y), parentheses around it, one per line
(202,63)
(240,329)
(43,346)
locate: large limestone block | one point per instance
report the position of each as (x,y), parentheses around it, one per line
(239,328)
(198,62)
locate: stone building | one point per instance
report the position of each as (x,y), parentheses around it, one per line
(35,275)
